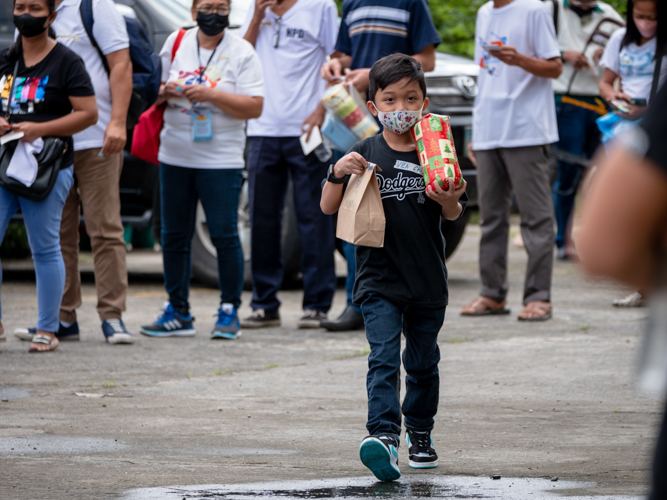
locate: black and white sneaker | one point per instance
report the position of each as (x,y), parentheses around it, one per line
(380,455)
(311,319)
(421,452)
(261,318)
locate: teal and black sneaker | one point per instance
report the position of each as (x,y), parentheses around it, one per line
(228,325)
(170,324)
(421,453)
(380,455)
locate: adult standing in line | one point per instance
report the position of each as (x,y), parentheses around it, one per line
(98,161)
(212,86)
(514,122)
(369,31)
(625,237)
(52,96)
(293,39)
(577,105)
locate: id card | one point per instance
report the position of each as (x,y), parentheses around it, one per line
(202,127)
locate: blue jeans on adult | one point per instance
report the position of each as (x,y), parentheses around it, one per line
(384,323)
(219,190)
(42,223)
(272,161)
(579,135)
(349,253)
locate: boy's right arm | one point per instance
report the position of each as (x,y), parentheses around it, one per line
(332,194)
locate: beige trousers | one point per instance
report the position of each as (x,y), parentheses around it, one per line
(96,191)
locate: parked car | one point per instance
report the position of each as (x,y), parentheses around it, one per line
(451,87)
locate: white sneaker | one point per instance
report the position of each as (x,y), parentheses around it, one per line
(632,300)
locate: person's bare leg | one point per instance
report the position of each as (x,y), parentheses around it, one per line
(43,347)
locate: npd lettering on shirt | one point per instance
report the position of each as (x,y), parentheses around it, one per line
(295,33)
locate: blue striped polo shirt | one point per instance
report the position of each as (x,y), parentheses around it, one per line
(373,29)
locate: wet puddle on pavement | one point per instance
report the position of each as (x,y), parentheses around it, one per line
(440,487)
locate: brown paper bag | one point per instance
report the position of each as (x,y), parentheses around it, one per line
(361,218)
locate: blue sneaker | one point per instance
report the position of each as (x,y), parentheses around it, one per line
(228,325)
(64,333)
(115,332)
(170,324)
(380,455)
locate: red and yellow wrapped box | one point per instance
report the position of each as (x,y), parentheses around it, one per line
(437,155)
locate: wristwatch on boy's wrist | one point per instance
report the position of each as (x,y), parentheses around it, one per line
(332,178)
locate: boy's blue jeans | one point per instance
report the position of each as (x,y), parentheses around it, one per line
(348,252)
(42,223)
(384,323)
(218,189)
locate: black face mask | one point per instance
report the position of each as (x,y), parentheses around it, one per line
(581,12)
(30,26)
(212,24)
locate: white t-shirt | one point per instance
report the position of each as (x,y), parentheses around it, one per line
(573,34)
(111,36)
(305,35)
(634,64)
(513,107)
(235,68)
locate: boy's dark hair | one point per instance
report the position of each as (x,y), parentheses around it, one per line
(392,69)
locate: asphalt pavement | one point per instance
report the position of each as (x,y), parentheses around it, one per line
(525,401)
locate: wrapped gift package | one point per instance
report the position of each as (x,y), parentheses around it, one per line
(437,155)
(350,111)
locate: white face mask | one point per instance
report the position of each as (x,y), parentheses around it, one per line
(398,122)
(647,29)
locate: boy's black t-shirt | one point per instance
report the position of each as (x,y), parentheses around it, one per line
(42,91)
(410,268)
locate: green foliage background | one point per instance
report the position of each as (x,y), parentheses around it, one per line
(455,20)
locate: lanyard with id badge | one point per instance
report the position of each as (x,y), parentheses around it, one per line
(202,126)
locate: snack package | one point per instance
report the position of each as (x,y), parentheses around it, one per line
(437,155)
(350,110)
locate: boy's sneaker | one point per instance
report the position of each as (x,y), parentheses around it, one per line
(170,324)
(115,332)
(64,333)
(261,318)
(311,319)
(380,455)
(421,452)
(228,325)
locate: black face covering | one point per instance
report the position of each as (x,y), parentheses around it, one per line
(30,26)
(581,12)
(212,24)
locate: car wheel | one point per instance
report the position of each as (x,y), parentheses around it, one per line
(204,254)
(453,232)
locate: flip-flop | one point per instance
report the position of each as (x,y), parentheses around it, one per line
(546,316)
(488,311)
(43,339)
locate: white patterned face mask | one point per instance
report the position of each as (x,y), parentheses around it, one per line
(399,122)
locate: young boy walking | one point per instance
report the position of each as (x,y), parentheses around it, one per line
(401,287)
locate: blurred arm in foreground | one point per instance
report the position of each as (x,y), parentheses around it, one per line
(625,218)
